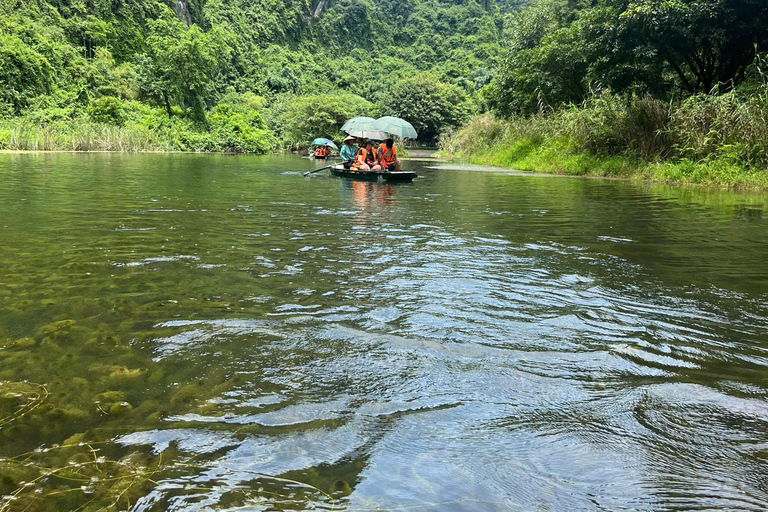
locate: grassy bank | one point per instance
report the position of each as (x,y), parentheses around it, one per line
(714,140)
(84,135)
(111,124)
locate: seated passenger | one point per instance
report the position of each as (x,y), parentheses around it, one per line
(367,159)
(388,156)
(348,152)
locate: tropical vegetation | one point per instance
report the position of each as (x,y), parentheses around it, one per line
(240,75)
(665,87)
(668,89)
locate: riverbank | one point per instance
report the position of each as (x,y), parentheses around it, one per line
(711,140)
(561,158)
(148,130)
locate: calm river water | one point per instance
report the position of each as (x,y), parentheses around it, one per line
(194,332)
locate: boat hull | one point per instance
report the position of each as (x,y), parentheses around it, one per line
(341,172)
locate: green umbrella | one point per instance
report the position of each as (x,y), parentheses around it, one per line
(367,134)
(358,124)
(395,126)
(361,127)
(321,141)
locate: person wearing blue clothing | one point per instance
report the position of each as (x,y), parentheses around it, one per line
(348,152)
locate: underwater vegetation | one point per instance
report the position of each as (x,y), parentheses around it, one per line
(57,435)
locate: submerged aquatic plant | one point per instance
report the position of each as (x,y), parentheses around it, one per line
(79,465)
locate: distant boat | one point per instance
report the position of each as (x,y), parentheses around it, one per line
(341,172)
(323,149)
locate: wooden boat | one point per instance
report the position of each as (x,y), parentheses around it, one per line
(340,171)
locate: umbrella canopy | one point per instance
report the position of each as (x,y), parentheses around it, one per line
(362,127)
(321,141)
(395,126)
(358,124)
(367,134)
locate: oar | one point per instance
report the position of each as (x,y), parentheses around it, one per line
(318,170)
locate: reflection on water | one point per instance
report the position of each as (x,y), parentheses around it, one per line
(472,341)
(368,193)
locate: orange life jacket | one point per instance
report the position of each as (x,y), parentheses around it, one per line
(386,156)
(364,158)
(371,158)
(360,157)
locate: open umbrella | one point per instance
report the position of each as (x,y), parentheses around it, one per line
(361,127)
(367,134)
(395,126)
(321,141)
(358,124)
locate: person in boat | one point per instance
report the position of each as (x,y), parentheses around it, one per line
(367,159)
(388,156)
(348,152)
(322,152)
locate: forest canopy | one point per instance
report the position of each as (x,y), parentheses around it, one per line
(561,51)
(167,64)
(245,75)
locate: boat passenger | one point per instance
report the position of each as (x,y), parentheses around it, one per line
(321,152)
(348,152)
(366,159)
(388,156)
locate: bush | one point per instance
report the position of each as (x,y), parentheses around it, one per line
(428,104)
(728,125)
(299,119)
(479,134)
(107,110)
(608,124)
(239,131)
(24,73)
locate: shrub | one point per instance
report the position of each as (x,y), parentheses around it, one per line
(727,125)
(299,119)
(107,110)
(608,124)
(479,134)
(239,131)
(429,104)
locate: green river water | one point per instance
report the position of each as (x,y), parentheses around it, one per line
(203,332)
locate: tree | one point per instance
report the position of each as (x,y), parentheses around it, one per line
(561,50)
(181,64)
(428,104)
(303,118)
(24,73)
(703,42)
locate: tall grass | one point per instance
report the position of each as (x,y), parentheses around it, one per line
(728,126)
(82,134)
(24,135)
(706,139)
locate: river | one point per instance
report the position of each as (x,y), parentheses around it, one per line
(208,332)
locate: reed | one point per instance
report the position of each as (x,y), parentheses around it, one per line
(23,134)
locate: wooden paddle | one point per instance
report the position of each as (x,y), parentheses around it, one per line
(318,170)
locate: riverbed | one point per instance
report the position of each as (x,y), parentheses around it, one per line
(211,332)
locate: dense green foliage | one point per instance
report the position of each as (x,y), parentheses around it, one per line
(670,89)
(560,51)
(172,70)
(714,139)
(642,79)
